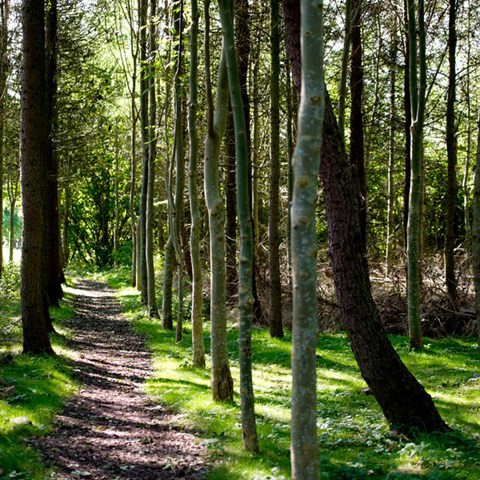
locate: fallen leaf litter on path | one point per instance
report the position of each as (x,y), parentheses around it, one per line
(111,429)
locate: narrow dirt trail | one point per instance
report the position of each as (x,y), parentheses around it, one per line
(112,429)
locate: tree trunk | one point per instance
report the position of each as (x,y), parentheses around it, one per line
(451,138)
(168,268)
(177,224)
(306,162)
(402,399)
(356,118)
(230,210)
(342,87)
(246,300)
(407,125)
(222,382)
(54,267)
(152,153)
(198,347)
(4,18)
(389,241)
(144,127)
(476,231)
(275,287)
(33,295)
(417,80)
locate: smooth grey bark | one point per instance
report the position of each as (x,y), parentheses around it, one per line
(198,347)
(221,382)
(417,81)
(306,163)
(245,300)
(275,287)
(33,163)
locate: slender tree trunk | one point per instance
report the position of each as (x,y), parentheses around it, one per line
(246,300)
(12,193)
(466,168)
(198,347)
(476,231)
(11,241)
(152,153)
(33,295)
(357,149)
(451,138)
(116,226)
(179,170)
(408,123)
(230,210)
(66,220)
(389,243)
(402,399)
(134,48)
(54,267)
(168,268)
(144,127)
(275,292)
(4,18)
(306,163)
(222,382)
(342,87)
(417,80)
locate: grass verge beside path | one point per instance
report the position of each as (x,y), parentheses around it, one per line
(355,442)
(32,390)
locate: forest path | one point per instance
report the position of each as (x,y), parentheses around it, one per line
(111,429)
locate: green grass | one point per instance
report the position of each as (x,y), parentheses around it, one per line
(355,441)
(41,384)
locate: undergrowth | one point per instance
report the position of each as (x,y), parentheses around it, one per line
(355,441)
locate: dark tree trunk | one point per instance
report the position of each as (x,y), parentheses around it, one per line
(33,293)
(54,267)
(404,402)
(275,287)
(408,134)
(242,37)
(356,118)
(230,210)
(451,134)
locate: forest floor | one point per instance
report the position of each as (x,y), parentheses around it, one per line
(112,429)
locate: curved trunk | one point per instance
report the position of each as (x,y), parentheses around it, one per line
(404,402)
(222,382)
(198,347)
(245,295)
(306,162)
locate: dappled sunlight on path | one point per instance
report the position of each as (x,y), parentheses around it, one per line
(112,429)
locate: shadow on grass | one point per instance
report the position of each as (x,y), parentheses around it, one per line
(38,386)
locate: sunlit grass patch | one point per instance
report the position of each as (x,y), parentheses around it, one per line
(32,390)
